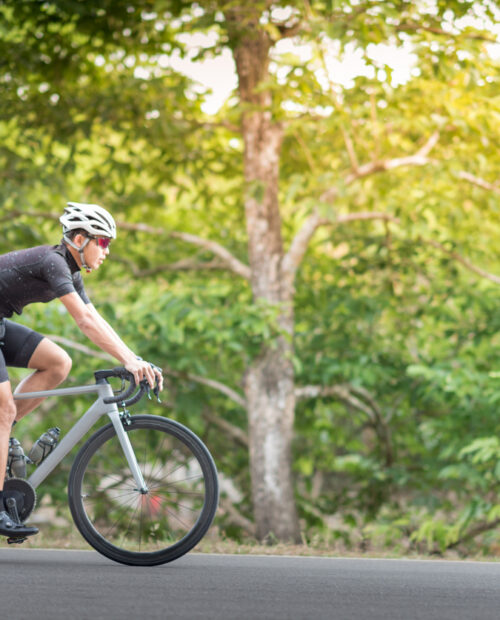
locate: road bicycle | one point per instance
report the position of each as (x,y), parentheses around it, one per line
(143,489)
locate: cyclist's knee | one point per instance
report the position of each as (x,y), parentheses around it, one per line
(50,358)
(62,365)
(8,410)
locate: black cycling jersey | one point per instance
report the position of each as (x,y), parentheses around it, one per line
(38,274)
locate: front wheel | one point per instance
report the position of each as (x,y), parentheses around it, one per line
(144,529)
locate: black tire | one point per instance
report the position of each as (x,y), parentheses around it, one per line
(144,529)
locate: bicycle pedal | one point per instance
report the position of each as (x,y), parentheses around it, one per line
(17,541)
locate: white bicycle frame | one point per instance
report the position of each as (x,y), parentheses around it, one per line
(84,424)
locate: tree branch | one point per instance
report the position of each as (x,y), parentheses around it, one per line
(363,215)
(288,30)
(236,517)
(354,397)
(350,150)
(475,531)
(336,101)
(300,243)
(340,391)
(307,151)
(82,348)
(216,385)
(463,261)
(221,124)
(420,158)
(17,213)
(212,383)
(375,123)
(229,260)
(235,432)
(185,264)
(415,27)
(298,248)
(493,187)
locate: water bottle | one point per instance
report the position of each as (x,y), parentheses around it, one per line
(44,445)
(16,464)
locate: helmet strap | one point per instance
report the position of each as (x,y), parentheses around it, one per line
(80,250)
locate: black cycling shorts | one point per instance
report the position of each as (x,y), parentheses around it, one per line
(17,346)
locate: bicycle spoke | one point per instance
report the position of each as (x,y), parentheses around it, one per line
(198,476)
(145,460)
(124,508)
(140,526)
(158,452)
(184,507)
(170,489)
(185,525)
(95,472)
(121,522)
(89,498)
(129,522)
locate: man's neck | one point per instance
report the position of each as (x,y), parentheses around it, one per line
(75,254)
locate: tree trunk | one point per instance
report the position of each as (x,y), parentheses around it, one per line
(269,381)
(269,388)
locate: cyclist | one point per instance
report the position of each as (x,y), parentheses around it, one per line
(41,274)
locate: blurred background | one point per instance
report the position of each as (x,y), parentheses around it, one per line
(307,195)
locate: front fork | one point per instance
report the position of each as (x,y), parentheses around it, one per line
(117,420)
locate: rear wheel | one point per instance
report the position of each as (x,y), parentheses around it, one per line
(149,528)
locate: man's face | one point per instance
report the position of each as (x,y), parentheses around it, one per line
(95,251)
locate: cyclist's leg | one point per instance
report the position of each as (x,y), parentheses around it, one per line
(51,364)
(8,527)
(7,417)
(24,348)
(19,345)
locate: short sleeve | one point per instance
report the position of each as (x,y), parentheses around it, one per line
(56,271)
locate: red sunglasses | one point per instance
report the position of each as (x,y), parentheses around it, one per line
(103,242)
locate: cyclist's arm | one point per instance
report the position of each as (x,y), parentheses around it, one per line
(101,321)
(105,325)
(101,334)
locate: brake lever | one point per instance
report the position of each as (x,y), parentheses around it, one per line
(156,391)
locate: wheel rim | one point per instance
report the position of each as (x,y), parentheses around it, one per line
(126,519)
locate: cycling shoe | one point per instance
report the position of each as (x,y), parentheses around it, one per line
(10,528)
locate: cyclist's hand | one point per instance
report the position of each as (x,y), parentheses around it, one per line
(144,370)
(158,375)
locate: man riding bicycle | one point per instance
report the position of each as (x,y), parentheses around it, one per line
(41,274)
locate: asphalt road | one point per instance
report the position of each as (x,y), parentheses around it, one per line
(43,585)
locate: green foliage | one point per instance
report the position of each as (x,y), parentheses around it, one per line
(91,109)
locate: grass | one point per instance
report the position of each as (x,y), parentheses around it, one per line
(70,538)
(57,531)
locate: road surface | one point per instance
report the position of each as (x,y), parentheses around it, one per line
(54,584)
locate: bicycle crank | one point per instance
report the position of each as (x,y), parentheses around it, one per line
(19,498)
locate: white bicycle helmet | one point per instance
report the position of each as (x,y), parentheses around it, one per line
(93,219)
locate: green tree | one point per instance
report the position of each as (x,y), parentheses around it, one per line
(317,162)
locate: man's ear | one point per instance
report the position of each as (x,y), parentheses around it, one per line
(79,240)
